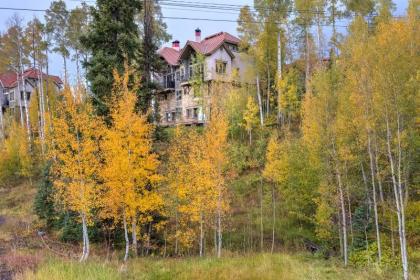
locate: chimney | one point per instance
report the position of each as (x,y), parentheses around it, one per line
(175,45)
(198,35)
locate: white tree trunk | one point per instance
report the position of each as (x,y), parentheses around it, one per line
(260,102)
(86,245)
(127,241)
(307,67)
(41,109)
(279,76)
(28,122)
(398,202)
(375,205)
(18,99)
(219,224)
(343,216)
(134,235)
(201,234)
(378,176)
(65,70)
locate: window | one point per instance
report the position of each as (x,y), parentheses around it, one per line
(178,74)
(10,95)
(195,115)
(178,113)
(233,47)
(188,113)
(182,74)
(27,95)
(221,67)
(173,116)
(178,95)
(168,117)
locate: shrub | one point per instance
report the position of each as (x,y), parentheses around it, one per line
(365,257)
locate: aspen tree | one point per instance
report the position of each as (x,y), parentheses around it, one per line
(319,136)
(75,156)
(215,136)
(130,169)
(250,117)
(395,84)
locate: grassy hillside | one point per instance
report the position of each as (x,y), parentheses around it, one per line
(16,209)
(261,266)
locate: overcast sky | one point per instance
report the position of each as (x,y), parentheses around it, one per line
(179,29)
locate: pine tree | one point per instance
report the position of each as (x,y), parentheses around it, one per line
(112,39)
(153,35)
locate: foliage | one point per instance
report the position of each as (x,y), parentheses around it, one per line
(367,256)
(44,205)
(112,38)
(129,173)
(15,157)
(250,117)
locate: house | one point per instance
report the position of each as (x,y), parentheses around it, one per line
(176,100)
(16,90)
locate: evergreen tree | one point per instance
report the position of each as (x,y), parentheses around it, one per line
(44,199)
(112,39)
(153,34)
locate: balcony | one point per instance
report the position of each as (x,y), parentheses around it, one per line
(167,82)
(193,71)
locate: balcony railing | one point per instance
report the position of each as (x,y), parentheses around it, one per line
(168,81)
(191,72)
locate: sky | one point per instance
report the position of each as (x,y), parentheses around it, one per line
(181,30)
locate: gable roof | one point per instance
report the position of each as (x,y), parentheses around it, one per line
(8,79)
(211,43)
(170,55)
(207,46)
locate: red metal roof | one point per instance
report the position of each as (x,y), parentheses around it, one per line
(170,55)
(8,79)
(206,47)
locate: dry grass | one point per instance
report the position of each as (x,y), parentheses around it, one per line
(16,209)
(261,266)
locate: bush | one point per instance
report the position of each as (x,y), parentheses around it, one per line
(363,257)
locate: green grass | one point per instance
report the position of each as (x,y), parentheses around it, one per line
(261,266)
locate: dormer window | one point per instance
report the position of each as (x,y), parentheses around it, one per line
(221,67)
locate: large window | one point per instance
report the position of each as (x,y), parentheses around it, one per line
(221,67)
